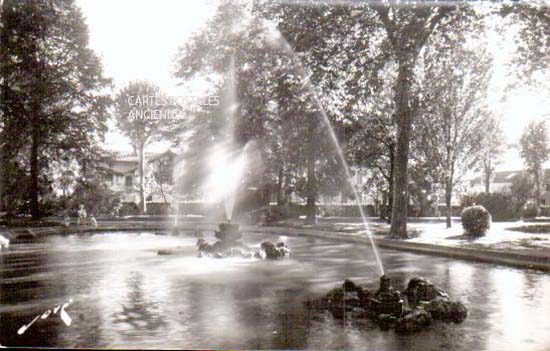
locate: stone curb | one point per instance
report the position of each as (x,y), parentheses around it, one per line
(503,257)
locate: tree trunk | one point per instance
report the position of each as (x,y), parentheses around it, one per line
(389,209)
(448,198)
(162,193)
(384,205)
(142,202)
(537,189)
(280,198)
(34,188)
(403,115)
(487,172)
(311,192)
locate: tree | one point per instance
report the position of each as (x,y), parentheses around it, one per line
(372,145)
(276,105)
(532,40)
(95,195)
(534,150)
(142,114)
(493,147)
(161,176)
(53,92)
(521,191)
(453,122)
(408,28)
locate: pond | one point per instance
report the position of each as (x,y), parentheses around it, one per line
(125,295)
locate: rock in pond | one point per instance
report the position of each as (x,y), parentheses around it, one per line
(387,300)
(420,289)
(388,309)
(274,252)
(414,321)
(447,310)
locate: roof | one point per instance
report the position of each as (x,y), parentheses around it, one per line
(122,163)
(505,176)
(132,157)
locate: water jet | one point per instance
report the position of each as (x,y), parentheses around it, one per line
(301,71)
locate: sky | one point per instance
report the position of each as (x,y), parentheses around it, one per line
(139,40)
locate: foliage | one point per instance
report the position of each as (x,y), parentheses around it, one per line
(534,145)
(159,176)
(453,120)
(277,110)
(539,229)
(492,148)
(500,206)
(521,191)
(128,209)
(157,209)
(96,197)
(529,211)
(275,214)
(535,150)
(136,105)
(143,112)
(26,222)
(476,220)
(53,98)
(532,38)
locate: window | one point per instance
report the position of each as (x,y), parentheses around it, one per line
(547,187)
(129,181)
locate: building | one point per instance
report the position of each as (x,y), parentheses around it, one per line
(122,175)
(501,182)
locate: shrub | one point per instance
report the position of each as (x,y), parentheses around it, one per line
(344,210)
(529,211)
(158,208)
(275,214)
(500,206)
(29,222)
(476,220)
(128,209)
(96,197)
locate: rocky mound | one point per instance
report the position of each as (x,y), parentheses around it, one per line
(411,310)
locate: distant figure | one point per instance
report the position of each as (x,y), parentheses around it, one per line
(81,215)
(66,221)
(4,242)
(93,221)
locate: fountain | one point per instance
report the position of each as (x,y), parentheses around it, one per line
(228,245)
(226,164)
(387,300)
(176,230)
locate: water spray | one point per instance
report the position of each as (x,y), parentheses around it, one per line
(301,71)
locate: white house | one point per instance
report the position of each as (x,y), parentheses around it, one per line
(122,175)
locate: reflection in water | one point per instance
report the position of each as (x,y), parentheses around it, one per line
(515,323)
(139,313)
(126,296)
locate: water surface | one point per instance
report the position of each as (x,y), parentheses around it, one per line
(124,295)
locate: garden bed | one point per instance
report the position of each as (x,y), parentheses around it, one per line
(538,228)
